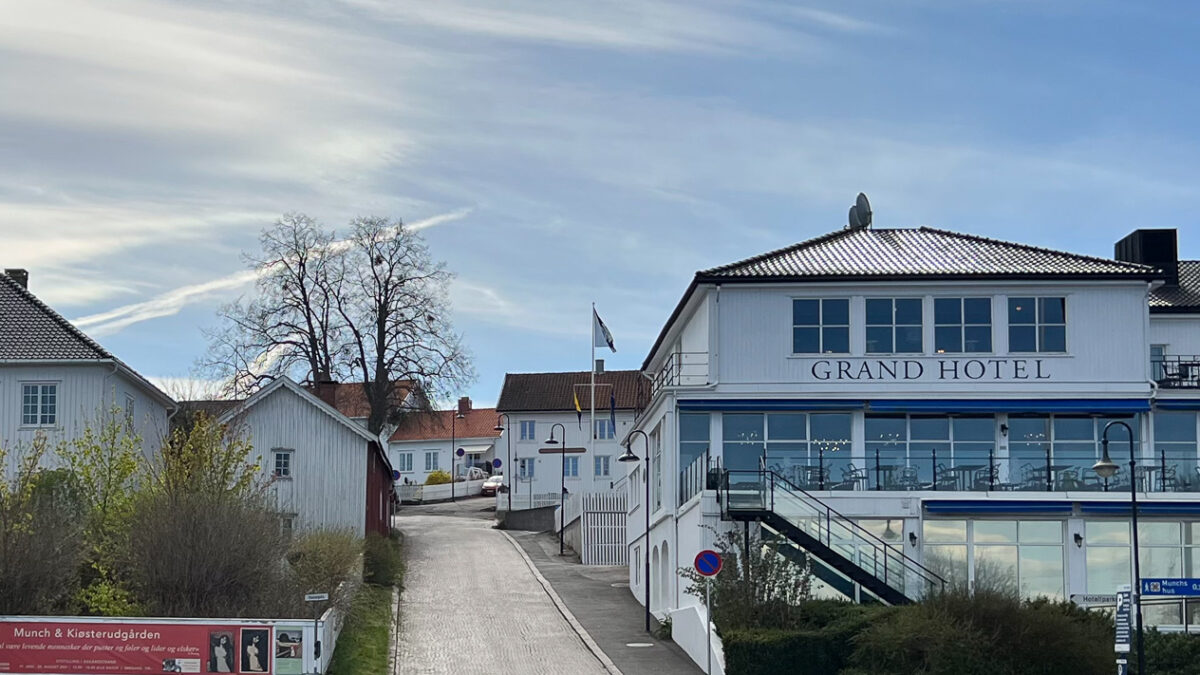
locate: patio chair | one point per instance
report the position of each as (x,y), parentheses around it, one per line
(908,479)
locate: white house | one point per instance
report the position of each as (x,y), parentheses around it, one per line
(532,404)
(426,442)
(326,470)
(55,380)
(913,407)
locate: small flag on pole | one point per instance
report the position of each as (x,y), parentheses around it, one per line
(578,410)
(612,408)
(600,335)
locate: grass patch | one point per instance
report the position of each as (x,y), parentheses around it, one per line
(363,645)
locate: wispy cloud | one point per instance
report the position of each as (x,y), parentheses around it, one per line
(174,300)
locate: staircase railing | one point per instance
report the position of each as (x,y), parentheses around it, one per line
(767,491)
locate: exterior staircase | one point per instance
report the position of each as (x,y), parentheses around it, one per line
(845,555)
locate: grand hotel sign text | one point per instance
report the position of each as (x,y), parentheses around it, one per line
(941,369)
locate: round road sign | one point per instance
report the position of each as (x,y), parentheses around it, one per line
(460,452)
(708,563)
(496,463)
(395,475)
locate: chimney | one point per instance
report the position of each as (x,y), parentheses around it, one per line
(21,276)
(1156,248)
(325,389)
(464,405)
(599,366)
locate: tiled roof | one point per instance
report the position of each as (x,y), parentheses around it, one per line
(919,252)
(422,426)
(29,330)
(350,399)
(1182,298)
(530,392)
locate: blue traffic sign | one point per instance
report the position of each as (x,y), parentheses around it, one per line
(460,452)
(395,474)
(1176,587)
(708,563)
(496,463)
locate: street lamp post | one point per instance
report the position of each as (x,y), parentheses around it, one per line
(453,441)
(508,469)
(1106,469)
(562,495)
(628,456)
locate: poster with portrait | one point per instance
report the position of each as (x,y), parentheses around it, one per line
(289,650)
(256,650)
(222,652)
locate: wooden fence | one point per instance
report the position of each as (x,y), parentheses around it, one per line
(600,518)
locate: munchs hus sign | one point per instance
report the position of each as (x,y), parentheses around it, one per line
(907,370)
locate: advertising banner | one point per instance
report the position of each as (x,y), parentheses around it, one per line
(100,647)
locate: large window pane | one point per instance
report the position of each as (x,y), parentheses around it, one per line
(1041,570)
(836,340)
(1022,339)
(1161,561)
(1041,531)
(1151,533)
(1052,310)
(996,569)
(1100,532)
(908,312)
(1053,339)
(835,312)
(948,339)
(806,340)
(948,562)
(806,313)
(947,311)
(879,340)
(742,427)
(787,426)
(1172,427)
(1108,567)
(879,312)
(693,427)
(995,531)
(1021,311)
(945,531)
(933,428)
(908,339)
(977,311)
(977,339)
(974,429)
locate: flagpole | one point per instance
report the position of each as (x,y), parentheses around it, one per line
(592,428)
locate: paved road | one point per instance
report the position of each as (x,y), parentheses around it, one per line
(472,605)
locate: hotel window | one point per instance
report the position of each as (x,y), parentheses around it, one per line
(605,429)
(894,326)
(908,447)
(528,430)
(962,325)
(570,467)
(820,326)
(282,463)
(1166,549)
(811,450)
(39,405)
(1037,325)
(693,437)
(404,462)
(601,465)
(1157,356)
(1058,452)
(1174,448)
(1018,556)
(431,460)
(525,467)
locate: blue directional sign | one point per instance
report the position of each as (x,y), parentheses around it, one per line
(708,563)
(1176,587)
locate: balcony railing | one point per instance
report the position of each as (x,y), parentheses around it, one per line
(694,478)
(682,369)
(1176,371)
(1028,472)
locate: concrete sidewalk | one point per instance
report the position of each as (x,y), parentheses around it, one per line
(599,598)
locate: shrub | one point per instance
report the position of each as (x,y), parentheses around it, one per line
(382,562)
(321,560)
(438,477)
(1170,653)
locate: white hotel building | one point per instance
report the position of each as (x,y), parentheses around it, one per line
(913,406)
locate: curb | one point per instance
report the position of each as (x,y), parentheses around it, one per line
(562,609)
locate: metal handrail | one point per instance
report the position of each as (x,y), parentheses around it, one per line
(878,544)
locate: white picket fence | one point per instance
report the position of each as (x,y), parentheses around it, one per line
(521,502)
(601,525)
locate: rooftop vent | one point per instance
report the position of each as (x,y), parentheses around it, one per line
(18,275)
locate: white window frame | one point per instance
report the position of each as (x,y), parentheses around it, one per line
(602,462)
(435,464)
(605,431)
(894,327)
(1038,324)
(573,463)
(290,469)
(526,467)
(821,326)
(404,459)
(962,324)
(528,430)
(41,412)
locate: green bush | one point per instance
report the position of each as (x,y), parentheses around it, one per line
(1170,653)
(321,560)
(438,477)
(382,563)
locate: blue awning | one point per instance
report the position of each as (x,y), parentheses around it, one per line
(993,506)
(772,404)
(1013,405)
(1144,508)
(1178,404)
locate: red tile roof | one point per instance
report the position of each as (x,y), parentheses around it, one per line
(530,392)
(421,426)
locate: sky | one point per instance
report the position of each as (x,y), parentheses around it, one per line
(558,153)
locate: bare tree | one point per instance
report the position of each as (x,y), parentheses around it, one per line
(371,308)
(395,309)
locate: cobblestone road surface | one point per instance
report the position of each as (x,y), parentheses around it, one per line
(471,605)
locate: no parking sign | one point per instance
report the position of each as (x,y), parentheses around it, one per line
(708,565)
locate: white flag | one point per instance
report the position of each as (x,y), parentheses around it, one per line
(600,335)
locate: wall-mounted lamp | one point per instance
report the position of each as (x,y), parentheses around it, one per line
(1078,540)
(1003,429)
(912,538)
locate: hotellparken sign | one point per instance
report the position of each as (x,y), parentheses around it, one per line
(944,370)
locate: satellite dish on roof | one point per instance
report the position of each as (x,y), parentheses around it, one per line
(860,213)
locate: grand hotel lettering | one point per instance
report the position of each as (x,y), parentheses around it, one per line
(943,369)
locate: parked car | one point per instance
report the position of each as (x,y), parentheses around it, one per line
(492,485)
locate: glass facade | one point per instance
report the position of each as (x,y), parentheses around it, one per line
(1024,557)
(811,450)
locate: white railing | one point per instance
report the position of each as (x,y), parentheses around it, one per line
(522,502)
(693,479)
(682,369)
(601,523)
(435,493)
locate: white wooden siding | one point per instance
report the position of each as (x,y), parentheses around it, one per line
(329,463)
(1181,334)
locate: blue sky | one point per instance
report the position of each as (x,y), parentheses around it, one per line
(560,153)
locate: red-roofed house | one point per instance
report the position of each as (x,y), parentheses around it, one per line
(425,442)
